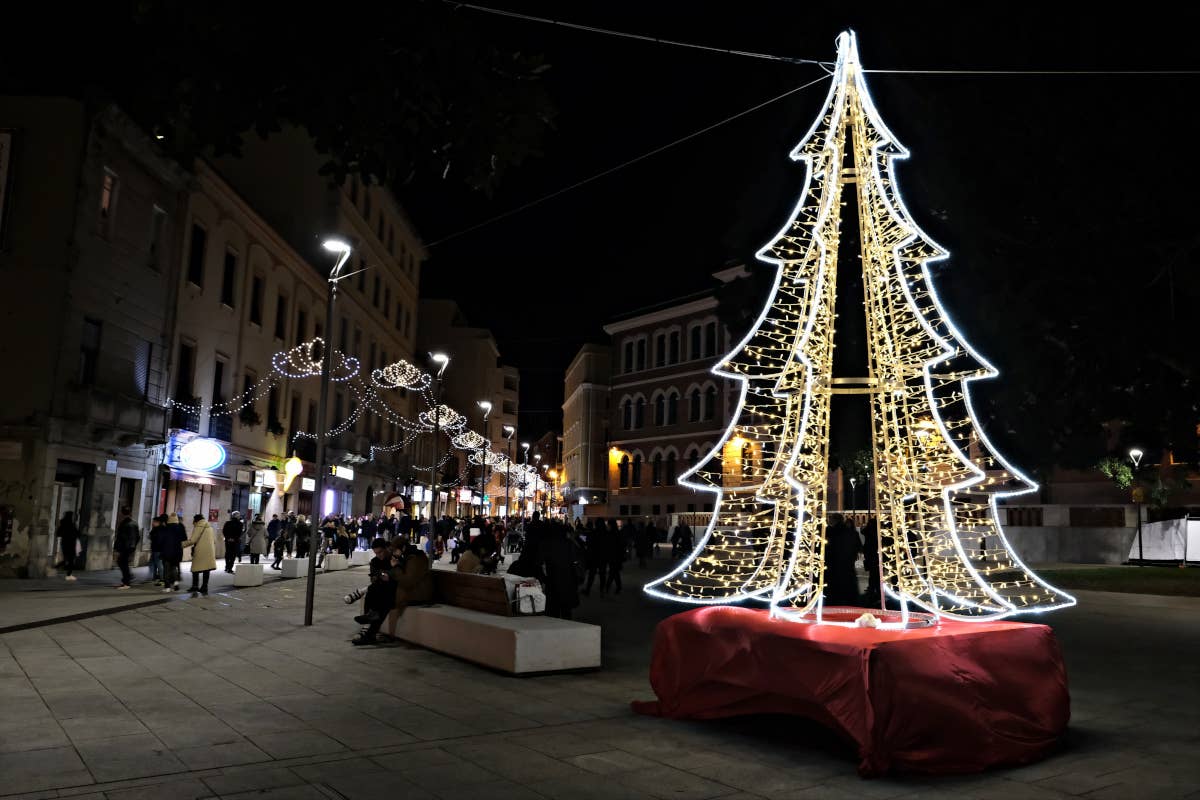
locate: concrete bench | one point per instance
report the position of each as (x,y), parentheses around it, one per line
(294,568)
(516,645)
(334,562)
(248,575)
(361,558)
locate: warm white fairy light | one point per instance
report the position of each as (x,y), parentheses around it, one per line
(400,375)
(469,440)
(444,417)
(305,361)
(937,477)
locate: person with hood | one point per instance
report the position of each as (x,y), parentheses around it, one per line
(70,536)
(156,529)
(258,538)
(125,543)
(561,560)
(203,542)
(173,537)
(231,532)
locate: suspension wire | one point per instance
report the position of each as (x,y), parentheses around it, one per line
(622,165)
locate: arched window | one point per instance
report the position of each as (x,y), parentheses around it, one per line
(710,403)
(641,353)
(693,457)
(627,413)
(673,407)
(672,469)
(694,406)
(694,343)
(623,472)
(637,470)
(660,410)
(629,356)
(660,350)
(673,348)
(639,414)
(710,339)
(656,469)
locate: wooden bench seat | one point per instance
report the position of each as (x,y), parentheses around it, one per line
(485,593)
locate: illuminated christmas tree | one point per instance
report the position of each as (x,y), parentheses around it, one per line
(937,477)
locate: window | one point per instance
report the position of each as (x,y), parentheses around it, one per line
(371,360)
(710,340)
(256,300)
(641,354)
(510,383)
(673,348)
(218,382)
(408,326)
(108,202)
(185,373)
(358,343)
(660,411)
(366,202)
(199,241)
(301,326)
(89,352)
(710,403)
(636,479)
(145,358)
(158,233)
(273,407)
(671,474)
(387,302)
(691,508)
(629,356)
(639,413)
(694,343)
(656,509)
(624,511)
(294,412)
(281,318)
(399,315)
(673,408)
(670,508)
(627,414)
(656,470)
(693,457)
(379,228)
(362,275)
(694,405)
(509,407)
(392,241)
(311,427)
(708,507)
(623,472)
(228,278)
(375,300)
(660,350)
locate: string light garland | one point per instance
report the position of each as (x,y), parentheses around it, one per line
(937,476)
(469,440)
(304,361)
(401,375)
(444,417)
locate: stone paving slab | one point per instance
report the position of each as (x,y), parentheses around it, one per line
(229,696)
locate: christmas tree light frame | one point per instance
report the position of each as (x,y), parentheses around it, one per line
(765,539)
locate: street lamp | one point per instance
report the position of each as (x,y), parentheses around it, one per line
(486,405)
(1135,455)
(853,493)
(341,250)
(444,361)
(524,477)
(509,432)
(553,486)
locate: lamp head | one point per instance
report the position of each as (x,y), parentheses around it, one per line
(509,431)
(336,246)
(1135,455)
(525,445)
(441,359)
(486,405)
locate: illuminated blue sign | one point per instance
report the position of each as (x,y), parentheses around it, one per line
(200,455)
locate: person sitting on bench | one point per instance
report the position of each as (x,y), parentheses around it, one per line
(414,585)
(380,595)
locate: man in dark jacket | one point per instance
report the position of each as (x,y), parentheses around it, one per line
(125,544)
(231,532)
(561,560)
(173,536)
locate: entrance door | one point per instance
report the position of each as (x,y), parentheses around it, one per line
(67,497)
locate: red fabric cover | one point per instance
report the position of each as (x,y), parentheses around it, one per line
(956,698)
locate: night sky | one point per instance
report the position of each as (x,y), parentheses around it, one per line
(989,155)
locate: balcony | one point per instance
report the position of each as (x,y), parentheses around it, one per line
(184,420)
(221,427)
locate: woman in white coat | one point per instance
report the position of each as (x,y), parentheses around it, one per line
(258,538)
(203,542)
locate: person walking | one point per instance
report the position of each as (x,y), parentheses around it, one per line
(279,545)
(203,542)
(173,537)
(232,534)
(303,536)
(561,560)
(69,534)
(289,534)
(258,539)
(156,530)
(274,528)
(597,557)
(614,554)
(125,544)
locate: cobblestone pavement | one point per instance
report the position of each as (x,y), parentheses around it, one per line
(229,696)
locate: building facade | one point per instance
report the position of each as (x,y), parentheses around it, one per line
(90,216)
(474,374)
(586,415)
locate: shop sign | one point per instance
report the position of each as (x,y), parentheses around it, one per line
(308,484)
(418,494)
(345,473)
(464,495)
(196,455)
(242,476)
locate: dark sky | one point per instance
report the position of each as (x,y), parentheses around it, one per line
(546,279)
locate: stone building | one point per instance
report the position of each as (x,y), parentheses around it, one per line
(90,228)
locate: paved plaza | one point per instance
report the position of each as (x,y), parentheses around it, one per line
(230,696)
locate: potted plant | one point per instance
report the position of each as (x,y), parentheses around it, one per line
(249,417)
